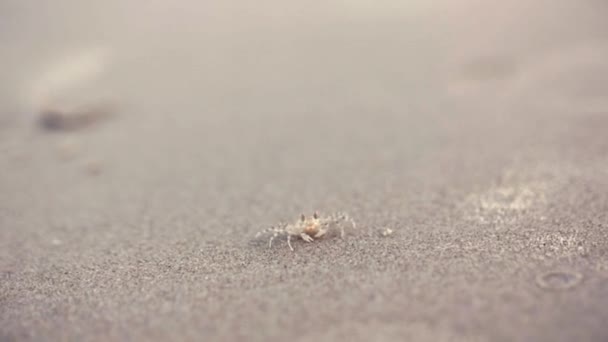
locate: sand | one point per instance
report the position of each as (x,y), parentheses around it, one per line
(475,133)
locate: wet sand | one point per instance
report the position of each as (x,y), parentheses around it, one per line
(476,133)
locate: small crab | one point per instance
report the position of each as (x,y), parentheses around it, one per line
(309,228)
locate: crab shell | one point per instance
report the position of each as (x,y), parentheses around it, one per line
(311,227)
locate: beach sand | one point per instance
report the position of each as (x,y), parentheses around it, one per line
(475,133)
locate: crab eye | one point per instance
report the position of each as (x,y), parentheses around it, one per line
(315,215)
(303,218)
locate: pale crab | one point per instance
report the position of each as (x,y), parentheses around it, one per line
(309,228)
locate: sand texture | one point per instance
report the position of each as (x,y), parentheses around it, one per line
(468,139)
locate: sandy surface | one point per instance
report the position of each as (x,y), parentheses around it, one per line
(477,133)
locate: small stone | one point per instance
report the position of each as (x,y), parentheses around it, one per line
(387,232)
